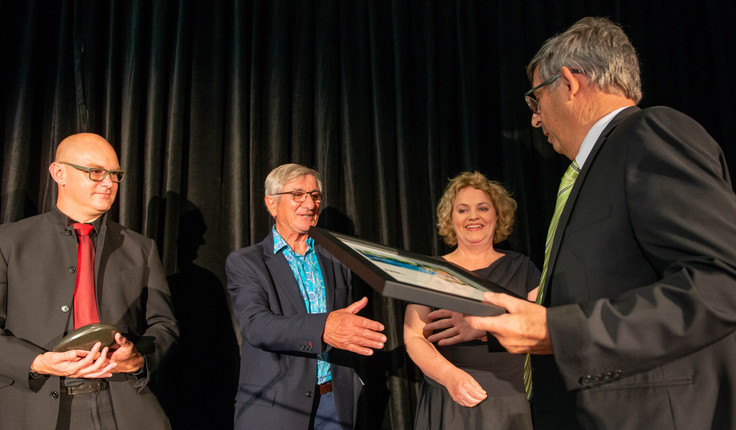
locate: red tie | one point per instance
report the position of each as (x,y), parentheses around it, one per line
(85,302)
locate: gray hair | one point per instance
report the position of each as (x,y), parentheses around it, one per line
(599,49)
(286,173)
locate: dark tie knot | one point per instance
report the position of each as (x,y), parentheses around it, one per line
(83,229)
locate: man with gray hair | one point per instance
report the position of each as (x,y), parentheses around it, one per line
(634,320)
(290,299)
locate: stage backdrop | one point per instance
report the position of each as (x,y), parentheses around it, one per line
(387,99)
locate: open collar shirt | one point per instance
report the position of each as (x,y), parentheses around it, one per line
(308,275)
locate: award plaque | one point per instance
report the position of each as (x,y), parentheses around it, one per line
(410,276)
(84,338)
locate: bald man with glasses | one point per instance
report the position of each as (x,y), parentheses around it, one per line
(66,269)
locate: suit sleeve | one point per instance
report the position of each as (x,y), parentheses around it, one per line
(682,212)
(16,354)
(258,311)
(161,327)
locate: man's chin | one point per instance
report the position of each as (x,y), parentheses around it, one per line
(556,146)
(307,225)
(103,207)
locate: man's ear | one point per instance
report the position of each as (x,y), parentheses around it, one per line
(271,205)
(57,173)
(571,82)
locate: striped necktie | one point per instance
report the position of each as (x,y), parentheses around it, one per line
(568,180)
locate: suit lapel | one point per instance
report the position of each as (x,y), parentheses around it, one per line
(572,198)
(283,278)
(109,240)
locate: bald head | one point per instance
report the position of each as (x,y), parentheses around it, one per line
(78,143)
(81,198)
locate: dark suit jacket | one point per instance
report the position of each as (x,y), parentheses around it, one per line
(37,260)
(641,285)
(281,340)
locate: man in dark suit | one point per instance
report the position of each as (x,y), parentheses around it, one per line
(105,387)
(638,296)
(290,299)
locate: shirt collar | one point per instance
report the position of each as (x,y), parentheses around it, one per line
(592,137)
(279,243)
(61,217)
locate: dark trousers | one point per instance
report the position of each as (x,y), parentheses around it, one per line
(91,411)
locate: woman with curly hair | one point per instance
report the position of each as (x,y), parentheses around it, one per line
(465,386)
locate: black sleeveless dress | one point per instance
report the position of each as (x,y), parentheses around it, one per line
(499,373)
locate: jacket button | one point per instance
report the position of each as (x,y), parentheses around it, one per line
(72,269)
(309,394)
(65,308)
(54,395)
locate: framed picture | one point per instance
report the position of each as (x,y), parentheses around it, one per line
(410,276)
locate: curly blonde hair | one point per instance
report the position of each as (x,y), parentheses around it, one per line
(503,203)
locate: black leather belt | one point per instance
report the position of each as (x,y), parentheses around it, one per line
(325,388)
(90,386)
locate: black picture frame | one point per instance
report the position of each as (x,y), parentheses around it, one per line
(410,276)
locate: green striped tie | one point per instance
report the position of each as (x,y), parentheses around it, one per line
(568,180)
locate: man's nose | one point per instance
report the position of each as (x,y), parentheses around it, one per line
(536,120)
(107,181)
(309,202)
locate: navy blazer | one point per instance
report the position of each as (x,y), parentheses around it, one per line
(641,284)
(281,340)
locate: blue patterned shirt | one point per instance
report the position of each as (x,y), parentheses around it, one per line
(311,285)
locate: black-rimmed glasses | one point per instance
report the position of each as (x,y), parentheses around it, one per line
(97,174)
(301,196)
(531,99)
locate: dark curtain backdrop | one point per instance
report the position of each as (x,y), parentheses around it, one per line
(387,99)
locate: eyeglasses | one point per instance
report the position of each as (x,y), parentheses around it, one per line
(301,196)
(531,99)
(98,175)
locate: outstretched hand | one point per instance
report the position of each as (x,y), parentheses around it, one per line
(346,330)
(523,329)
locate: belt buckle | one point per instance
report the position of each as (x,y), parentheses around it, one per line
(88,387)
